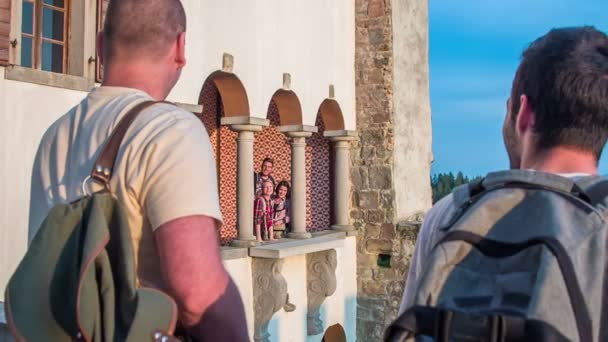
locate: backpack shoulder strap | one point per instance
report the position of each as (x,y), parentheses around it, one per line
(465,195)
(596,188)
(548,181)
(532,179)
(104,165)
(462,194)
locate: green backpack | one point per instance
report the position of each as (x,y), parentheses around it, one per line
(77,278)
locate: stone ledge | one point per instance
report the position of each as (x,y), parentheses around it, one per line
(192,108)
(244,120)
(231,253)
(45,78)
(298,128)
(321,241)
(340,133)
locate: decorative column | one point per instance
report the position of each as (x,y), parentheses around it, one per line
(341,191)
(246,127)
(298,135)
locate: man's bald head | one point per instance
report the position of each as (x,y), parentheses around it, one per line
(142,27)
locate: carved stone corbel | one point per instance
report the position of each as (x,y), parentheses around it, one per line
(269,295)
(321,279)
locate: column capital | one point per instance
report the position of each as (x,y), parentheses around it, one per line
(296,135)
(341,135)
(245,123)
(246,128)
(298,131)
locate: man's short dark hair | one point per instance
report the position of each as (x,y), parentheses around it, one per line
(269,160)
(564,74)
(142,25)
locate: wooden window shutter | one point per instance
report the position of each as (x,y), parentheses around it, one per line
(102,8)
(5,29)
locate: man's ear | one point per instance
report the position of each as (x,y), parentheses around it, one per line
(180,51)
(99,44)
(525,116)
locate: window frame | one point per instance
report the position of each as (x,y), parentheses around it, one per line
(99,21)
(81,55)
(37,34)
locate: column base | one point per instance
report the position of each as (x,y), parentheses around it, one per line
(347,228)
(299,235)
(244,243)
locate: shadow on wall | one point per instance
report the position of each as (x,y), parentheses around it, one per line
(350,311)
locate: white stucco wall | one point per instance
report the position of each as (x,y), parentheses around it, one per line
(240,271)
(26,110)
(412,119)
(313,40)
(339,308)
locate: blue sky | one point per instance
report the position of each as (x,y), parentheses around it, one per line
(474,50)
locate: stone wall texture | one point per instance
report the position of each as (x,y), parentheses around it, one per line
(386,238)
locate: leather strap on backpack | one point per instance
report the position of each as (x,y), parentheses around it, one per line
(104,165)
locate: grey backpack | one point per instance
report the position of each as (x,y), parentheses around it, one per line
(522,259)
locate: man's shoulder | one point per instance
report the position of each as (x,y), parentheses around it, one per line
(167,114)
(441,213)
(166,122)
(65,120)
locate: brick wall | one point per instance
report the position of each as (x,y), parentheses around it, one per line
(380,280)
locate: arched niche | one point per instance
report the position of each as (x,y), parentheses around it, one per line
(331,114)
(319,174)
(269,142)
(284,109)
(232,93)
(223,95)
(288,107)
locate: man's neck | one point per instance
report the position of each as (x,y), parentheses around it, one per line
(266,197)
(562,160)
(135,77)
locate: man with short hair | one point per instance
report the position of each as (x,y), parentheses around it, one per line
(164,175)
(264,175)
(556,122)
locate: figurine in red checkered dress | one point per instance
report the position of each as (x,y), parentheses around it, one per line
(264,212)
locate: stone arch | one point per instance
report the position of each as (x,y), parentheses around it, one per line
(223,95)
(331,114)
(288,107)
(232,93)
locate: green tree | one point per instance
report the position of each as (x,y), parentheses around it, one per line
(442,184)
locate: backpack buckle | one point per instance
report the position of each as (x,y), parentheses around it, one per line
(458,326)
(85,188)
